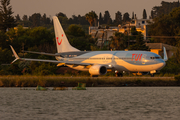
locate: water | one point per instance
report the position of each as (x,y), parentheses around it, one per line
(107,103)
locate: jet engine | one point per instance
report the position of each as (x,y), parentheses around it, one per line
(96,70)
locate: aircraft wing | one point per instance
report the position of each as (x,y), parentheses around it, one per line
(41,53)
(42,60)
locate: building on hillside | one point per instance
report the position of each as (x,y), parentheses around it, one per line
(140,24)
(158,49)
(103,34)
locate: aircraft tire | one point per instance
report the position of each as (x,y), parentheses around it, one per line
(94,75)
(152,75)
(119,74)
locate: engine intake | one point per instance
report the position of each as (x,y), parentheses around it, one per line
(97,70)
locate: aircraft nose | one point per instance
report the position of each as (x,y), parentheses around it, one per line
(162,64)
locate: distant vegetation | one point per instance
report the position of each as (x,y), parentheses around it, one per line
(38,35)
(56,81)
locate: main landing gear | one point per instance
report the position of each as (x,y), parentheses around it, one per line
(152,75)
(94,75)
(118,74)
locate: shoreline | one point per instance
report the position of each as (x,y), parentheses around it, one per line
(57,81)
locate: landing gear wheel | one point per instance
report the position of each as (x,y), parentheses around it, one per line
(119,74)
(94,75)
(152,75)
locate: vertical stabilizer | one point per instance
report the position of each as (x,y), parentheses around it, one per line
(61,39)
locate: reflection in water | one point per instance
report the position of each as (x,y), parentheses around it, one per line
(92,104)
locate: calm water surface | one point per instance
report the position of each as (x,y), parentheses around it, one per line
(107,103)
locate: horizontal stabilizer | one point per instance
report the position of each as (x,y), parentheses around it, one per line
(15,54)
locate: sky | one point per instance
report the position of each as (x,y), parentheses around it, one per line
(81,7)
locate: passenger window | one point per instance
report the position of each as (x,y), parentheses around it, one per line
(155,57)
(151,57)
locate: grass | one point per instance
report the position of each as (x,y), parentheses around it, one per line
(56,81)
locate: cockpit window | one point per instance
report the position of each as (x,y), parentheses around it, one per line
(155,57)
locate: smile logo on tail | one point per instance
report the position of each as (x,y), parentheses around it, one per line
(59,43)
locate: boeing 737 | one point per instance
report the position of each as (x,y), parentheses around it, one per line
(99,62)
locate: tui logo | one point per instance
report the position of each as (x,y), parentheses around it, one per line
(59,43)
(136,57)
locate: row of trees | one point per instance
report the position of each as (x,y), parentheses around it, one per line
(165,8)
(166,25)
(37,19)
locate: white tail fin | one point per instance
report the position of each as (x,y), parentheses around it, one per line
(61,39)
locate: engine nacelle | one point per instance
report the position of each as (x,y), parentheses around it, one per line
(97,70)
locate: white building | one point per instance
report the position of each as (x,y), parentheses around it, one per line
(103,34)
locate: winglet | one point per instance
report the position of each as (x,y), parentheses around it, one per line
(15,54)
(165,54)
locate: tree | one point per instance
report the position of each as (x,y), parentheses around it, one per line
(75,30)
(35,19)
(134,31)
(18,18)
(166,25)
(165,8)
(100,18)
(82,20)
(152,15)
(126,17)
(107,18)
(25,18)
(44,19)
(118,42)
(6,56)
(133,15)
(177,55)
(118,18)
(3,42)
(78,38)
(62,18)
(140,44)
(144,14)
(26,22)
(6,18)
(91,17)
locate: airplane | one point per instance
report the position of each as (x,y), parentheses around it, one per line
(100,62)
